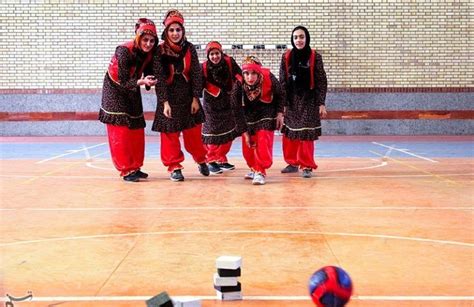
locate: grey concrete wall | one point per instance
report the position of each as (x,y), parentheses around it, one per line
(330,127)
(335,101)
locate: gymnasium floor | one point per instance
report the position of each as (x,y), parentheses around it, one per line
(395,212)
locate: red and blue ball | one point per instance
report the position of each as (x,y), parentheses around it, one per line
(330,286)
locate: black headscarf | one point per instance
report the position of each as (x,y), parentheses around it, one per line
(219,73)
(299,62)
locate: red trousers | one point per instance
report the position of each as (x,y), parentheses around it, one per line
(299,153)
(127,148)
(217,153)
(260,158)
(171,154)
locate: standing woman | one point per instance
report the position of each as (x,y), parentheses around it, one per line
(122,109)
(220,71)
(261,99)
(303,78)
(176,67)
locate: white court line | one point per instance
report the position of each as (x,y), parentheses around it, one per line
(246,298)
(91,165)
(231,232)
(413,298)
(405,152)
(89,162)
(383,163)
(217,208)
(61,176)
(70,152)
(387,153)
(86,152)
(89,158)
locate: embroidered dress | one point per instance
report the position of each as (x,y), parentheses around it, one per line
(220,126)
(179,91)
(301,119)
(122,102)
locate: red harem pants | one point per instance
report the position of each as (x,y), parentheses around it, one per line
(217,153)
(127,148)
(171,154)
(260,158)
(299,153)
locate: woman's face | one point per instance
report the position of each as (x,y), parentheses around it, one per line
(215,56)
(175,33)
(147,42)
(250,77)
(299,39)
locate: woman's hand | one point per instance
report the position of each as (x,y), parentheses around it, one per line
(148,81)
(248,141)
(322,111)
(167,109)
(195,105)
(279,121)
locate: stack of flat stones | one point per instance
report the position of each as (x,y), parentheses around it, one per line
(164,300)
(226,280)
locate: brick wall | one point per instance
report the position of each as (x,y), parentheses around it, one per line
(52,44)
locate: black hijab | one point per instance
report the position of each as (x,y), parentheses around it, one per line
(299,62)
(219,73)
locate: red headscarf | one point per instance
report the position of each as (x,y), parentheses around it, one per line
(213,45)
(252,63)
(173,16)
(170,48)
(142,27)
(219,73)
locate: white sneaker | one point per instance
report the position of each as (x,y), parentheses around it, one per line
(258,179)
(249,175)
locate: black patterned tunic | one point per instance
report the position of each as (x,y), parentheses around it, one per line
(257,114)
(179,93)
(220,126)
(301,121)
(122,103)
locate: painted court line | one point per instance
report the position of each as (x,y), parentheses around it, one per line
(440,177)
(413,298)
(381,164)
(162,177)
(246,298)
(234,232)
(47,174)
(405,152)
(70,152)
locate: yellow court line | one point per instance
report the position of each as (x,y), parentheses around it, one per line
(416,168)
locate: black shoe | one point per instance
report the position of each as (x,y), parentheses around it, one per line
(226,166)
(132,177)
(214,168)
(176,175)
(290,169)
(203,169)
(307,173)
(142,174)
